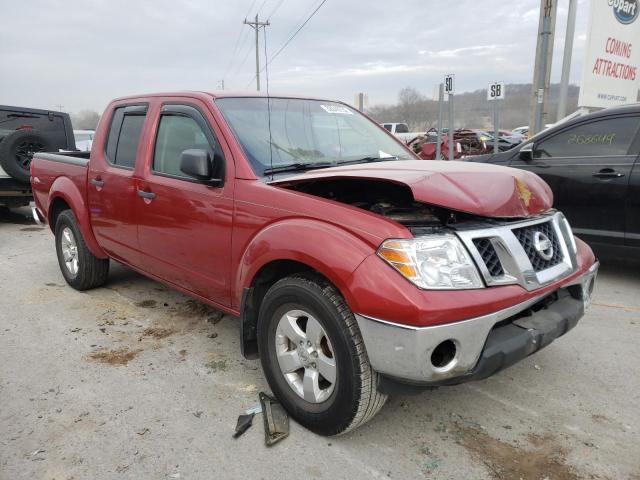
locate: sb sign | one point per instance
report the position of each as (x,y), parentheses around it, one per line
(495,91)
(449,84)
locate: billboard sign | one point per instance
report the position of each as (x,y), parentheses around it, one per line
(610,76)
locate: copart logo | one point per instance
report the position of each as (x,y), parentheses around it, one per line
(626,11)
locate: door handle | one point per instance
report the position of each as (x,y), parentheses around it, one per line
(606,173)
(147,195)
(97,183)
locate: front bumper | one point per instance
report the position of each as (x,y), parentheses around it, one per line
(482,345)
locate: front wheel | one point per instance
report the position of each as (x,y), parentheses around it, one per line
(80,268)
(314,357)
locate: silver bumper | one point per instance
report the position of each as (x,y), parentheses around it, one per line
(36,215)
(405,352)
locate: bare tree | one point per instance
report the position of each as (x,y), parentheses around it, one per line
(85,120)
(472,110)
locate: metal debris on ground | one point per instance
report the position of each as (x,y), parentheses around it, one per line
(276,420)
(256,409)
(244,422)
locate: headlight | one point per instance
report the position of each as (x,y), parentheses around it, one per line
(438,262)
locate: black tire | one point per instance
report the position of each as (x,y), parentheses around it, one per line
(17,149)
(91,271)
(355,398)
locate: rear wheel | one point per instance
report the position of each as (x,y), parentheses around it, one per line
(314,358)
(80,268)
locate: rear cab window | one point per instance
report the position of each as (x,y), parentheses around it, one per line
(124,135)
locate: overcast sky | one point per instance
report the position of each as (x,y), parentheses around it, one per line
(82,53)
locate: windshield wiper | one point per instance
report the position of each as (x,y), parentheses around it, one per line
(295,167)
(367,160)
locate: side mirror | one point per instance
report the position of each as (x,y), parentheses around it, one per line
(197,163)
(526,152)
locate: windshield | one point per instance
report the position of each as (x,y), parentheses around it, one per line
(305,133)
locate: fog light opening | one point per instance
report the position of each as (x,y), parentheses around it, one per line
(443,354)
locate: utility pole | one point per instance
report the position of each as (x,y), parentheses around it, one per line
(59,107)
(256,26)
(440,108)
(221,84)
(542,70)
(566,59)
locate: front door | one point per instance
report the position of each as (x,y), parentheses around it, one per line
(588,167)
(184,225)
(111,184)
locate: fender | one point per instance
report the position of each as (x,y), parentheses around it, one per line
(327,248)
(65,189)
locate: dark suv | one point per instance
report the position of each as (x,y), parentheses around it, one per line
(24,131)
(592,165)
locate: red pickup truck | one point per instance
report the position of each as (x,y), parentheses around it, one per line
(356,269)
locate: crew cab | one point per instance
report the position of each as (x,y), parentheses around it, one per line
(356,269)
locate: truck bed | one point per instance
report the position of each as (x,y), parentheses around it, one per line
(48,169)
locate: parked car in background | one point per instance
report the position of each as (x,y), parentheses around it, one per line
(84,139)
(524,131)
(591,164)
(24,131)
(356,269)
(401,130)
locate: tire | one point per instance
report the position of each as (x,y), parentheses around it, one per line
(17,149)
(80,268)
(321,314)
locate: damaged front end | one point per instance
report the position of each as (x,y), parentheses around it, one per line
(390,200)
(472,226)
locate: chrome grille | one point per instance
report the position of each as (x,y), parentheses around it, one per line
(506,254)
(489,256)
(525,237)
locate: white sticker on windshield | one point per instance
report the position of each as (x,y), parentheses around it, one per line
(336,109)
(382,154)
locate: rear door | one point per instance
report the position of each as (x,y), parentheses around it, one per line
(111,186)
(184,225)
(588,166)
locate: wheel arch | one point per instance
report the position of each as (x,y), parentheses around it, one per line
(287,248)
(65,195)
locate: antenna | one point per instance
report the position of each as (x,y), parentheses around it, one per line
(266,74)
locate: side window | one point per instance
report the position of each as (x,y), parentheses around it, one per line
(387,127)
(124,135)
(595,139)
(402,128)
(180,129)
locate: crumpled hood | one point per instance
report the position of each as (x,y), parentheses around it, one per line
(476,188)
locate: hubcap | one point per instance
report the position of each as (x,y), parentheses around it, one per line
(69,250)
(305,356)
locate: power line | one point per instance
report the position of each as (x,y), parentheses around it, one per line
(288,41)
(297,31)
(240,34)
(277,7)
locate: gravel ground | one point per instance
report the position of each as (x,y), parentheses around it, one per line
(133,380)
